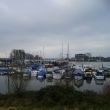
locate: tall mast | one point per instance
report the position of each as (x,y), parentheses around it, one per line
(43,52)
(68,51)
(62,50)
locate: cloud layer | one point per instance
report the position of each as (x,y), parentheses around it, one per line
(34,24)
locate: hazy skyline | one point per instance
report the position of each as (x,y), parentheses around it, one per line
(34,24)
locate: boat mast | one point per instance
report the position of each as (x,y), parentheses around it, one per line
(43,52)
(62,50)
(68,51)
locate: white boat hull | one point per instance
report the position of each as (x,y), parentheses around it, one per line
(34,73)
(99,77)
(78,77)
(57,76)
(40,77)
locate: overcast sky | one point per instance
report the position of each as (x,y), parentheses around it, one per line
(34,24)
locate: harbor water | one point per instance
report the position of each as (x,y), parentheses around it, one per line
(82,85)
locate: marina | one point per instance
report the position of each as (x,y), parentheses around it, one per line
(54,55)
(74,74)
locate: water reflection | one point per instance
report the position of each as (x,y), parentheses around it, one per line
(78,83)
(89,80)
(3,84)
(33,84)
(49,80)
(99,82)
(66,82)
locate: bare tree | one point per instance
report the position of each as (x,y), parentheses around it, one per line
(17,81)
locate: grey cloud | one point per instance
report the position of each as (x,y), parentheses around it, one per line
(31,24)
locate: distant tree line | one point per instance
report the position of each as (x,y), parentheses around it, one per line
(21,55)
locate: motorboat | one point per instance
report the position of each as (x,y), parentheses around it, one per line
(78,74)
(57,74)
(41,74)
(3,71)
(88,73)
(35,68)
(68,74)
(99,76)
(49,74)
(77,67)
(27,73)
(34,73)
(100,70)
(107,71)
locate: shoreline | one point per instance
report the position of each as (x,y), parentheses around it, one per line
(55,98)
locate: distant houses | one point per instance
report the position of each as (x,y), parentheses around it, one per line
(88,57)
(83,57)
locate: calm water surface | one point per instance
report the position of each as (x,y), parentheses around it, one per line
(33,84)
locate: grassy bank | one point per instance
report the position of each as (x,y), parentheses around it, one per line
(56,98)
